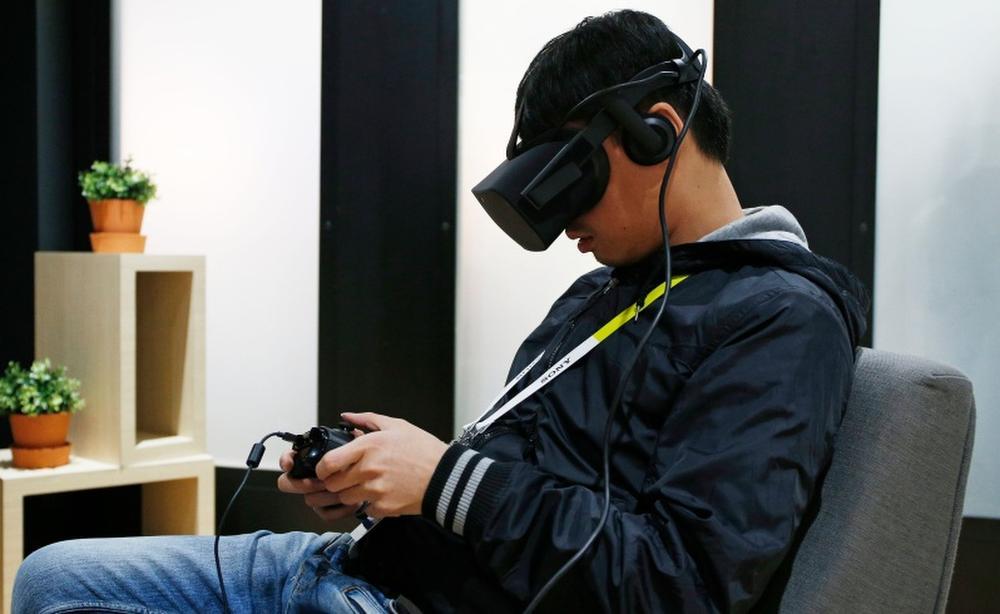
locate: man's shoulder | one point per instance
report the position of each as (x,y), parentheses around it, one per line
(737,278)
(721,293)
(732,297)
(737,286)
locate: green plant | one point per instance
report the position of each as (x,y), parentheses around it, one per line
(106,180)
(41,389)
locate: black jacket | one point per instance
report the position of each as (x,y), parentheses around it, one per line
(726,429)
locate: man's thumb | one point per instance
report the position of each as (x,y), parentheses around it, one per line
(368,421)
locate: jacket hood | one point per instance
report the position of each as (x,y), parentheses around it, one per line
(773,222)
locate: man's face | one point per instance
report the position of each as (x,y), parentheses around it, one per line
(624,226)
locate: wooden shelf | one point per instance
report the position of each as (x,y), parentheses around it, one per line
(178,497)
(131,328)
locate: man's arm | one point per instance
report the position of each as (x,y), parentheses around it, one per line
(737,461)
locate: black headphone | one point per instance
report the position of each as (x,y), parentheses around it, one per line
(547,182)
(652,150)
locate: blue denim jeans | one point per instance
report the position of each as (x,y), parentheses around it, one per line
(263,571)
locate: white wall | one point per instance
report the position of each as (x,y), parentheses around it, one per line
(221,101)
(503,291)
(937,275)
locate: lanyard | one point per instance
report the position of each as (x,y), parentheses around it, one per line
(632,312)
(488,418)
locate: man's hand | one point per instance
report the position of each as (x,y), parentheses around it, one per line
(389,467)
(327,505)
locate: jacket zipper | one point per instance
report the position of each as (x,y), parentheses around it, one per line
(533,434)
(483,438)
(568,329)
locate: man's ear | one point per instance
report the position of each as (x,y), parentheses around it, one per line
(668,112)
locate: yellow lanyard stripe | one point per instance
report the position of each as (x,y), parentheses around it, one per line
(629,314)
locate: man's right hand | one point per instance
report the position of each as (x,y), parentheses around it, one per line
(326,504)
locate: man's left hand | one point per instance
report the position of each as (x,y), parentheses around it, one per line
(389,467)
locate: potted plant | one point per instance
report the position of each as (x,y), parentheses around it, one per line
(39,401)
(117,195)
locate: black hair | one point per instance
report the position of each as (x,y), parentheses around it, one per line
(606,50)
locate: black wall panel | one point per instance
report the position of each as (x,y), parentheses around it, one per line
(387,248)
(974,586)
(74,114)
(55,118)
(802,81)
(19,184)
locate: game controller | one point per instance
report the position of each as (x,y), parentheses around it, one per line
(310,447)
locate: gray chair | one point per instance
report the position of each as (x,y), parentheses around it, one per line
(884,535)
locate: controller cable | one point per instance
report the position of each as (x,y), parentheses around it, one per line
(619,391)
(253,460)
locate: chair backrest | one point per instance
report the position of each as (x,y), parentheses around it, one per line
(884,535)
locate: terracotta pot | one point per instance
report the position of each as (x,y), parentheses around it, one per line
(40,441)
(41,431)
(117,242)
(116,215)
(37,458)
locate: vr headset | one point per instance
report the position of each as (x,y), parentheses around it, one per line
(545,184)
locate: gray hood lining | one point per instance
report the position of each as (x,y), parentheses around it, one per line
(772,222)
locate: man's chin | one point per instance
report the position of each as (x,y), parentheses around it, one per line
(607,260)
(614,260)
(606,256)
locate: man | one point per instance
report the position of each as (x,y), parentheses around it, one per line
(723,435)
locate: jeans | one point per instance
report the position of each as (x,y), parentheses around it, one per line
(263,572)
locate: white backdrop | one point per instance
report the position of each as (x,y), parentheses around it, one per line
(221,101)
(503,291)
(937,275)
